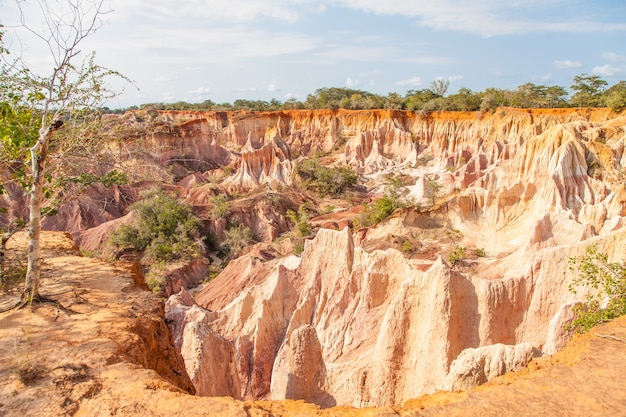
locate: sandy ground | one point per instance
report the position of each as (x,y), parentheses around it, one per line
(95,347)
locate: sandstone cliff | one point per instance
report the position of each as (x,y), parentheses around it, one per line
(530,187)
(386,331)
(353,320)
(97,348)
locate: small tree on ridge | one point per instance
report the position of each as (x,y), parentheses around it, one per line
(60,97)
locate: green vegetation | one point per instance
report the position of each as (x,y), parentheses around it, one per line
(166,230)
(43,112)
(457,255)
(377,211)
(396,190)
(615,97)
(236,238)
(155,277)
(608,281)
(301,220)
(220,207)
(432,188)
(327,180)
(587,91)
(480,252)
(302,228)
(395,197)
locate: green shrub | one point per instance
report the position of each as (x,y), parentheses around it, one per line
(328,180)
(166,230)
(377,211)
(155,277)
(457,255)
(274,199)
(432,188)
(384,207)
(608,279)
(237,238)
(298,246)
(480,252)
(396,190)
(301,220)
(220,207)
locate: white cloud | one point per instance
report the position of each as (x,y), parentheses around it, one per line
(200,91)
(192,69)
(351,82)
(214,10)
(164,79)
(484,17)
(613,57)
(564,64)
(370,73)
(457,77)
(546,77)
(411,82)
(488,17)
(609,70)
(246,90)
(425,60)
(272,87)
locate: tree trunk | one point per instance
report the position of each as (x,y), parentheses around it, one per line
(38,154)
(3,247)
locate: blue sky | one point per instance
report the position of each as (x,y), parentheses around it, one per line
(224,50)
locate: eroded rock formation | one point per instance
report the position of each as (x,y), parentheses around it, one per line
(530,187)
(387,332)
(345,323)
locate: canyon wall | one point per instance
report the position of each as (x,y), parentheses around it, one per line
(343,325)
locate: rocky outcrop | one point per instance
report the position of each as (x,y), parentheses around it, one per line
(506,167)
(303,372)
(387,332)
(186,275)
(86,355)
(476,366)
(529,187)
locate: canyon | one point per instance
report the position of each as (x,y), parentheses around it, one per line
(370,315)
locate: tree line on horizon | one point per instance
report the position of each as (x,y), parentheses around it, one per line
(587,91)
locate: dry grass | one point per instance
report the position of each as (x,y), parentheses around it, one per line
(29,373)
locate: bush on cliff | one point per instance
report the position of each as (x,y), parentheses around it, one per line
(608,281)
(236,238)
(166,230)
(376,212)
(328,180)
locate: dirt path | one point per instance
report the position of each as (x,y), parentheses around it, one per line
(102,349)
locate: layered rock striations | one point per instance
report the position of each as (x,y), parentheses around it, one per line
(344,325)
(499,163)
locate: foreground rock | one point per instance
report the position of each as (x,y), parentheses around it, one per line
(379,330)
(530,189)
(94,351)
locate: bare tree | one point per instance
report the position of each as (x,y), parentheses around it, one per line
(439,86)
(60,96)
(432,188)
